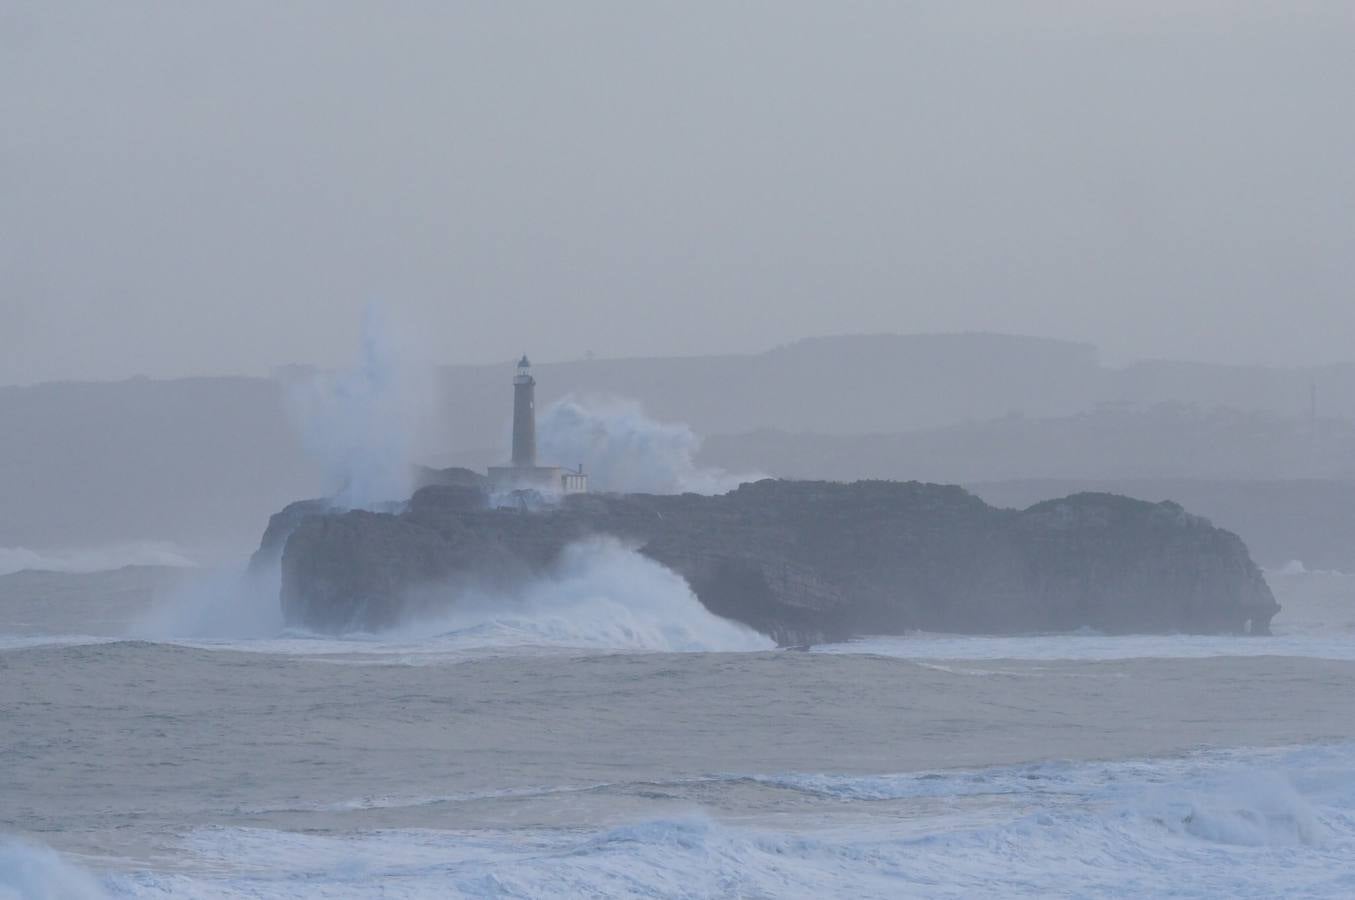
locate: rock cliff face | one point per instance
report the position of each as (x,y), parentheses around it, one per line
(801,561)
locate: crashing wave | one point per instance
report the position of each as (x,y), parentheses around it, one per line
(600,595)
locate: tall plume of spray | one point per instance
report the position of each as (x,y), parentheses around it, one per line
(359,424)
(623,449)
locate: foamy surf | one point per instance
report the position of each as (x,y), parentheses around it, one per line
(1057,647)
(1236,823)
(600,596)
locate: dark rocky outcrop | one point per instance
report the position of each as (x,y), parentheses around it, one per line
(456,476)
(801,561)
(280,527)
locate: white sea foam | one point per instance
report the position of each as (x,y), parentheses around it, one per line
(223,604)
(600,596)
(1051,647)
(359,424)
(29,641)
(1234,824)
(1297,567)
(624,449)
(93,559)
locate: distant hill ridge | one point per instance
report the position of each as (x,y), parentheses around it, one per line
(205,458)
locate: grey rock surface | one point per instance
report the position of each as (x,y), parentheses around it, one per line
(802,561)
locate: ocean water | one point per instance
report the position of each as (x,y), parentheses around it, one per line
(600,734)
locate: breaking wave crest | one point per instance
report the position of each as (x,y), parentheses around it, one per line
(1219,824)
(1253,824)
(600,595)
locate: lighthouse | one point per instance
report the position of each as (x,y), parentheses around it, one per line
(522,472)
(524,415)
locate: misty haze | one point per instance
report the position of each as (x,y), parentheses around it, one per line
(614,450)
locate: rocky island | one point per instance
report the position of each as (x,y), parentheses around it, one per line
(801,561)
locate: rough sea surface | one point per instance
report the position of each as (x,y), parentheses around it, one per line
(161,735)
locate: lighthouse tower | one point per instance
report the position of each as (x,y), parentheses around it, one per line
(524,415)
(522,472)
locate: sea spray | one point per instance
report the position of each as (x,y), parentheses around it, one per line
(599,595)
(359,424)
(32,872)
(216,604)
(1255,809)
(624,449)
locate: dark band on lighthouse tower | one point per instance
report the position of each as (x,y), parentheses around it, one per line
(524,415)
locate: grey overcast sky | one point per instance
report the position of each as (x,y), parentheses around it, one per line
(203,188)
